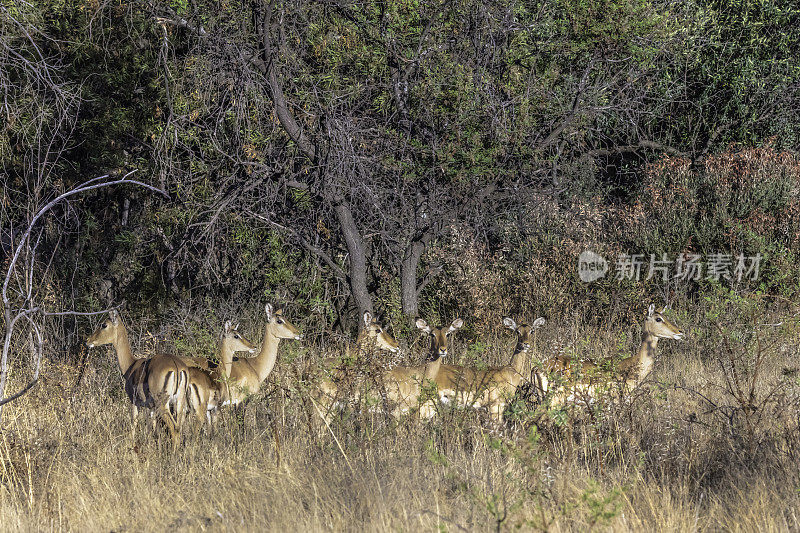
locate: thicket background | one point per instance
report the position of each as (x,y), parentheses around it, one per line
(432,159)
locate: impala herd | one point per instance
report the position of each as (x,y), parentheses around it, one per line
(172,386)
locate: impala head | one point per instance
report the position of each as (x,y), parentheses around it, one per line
(107,332)
(279,326)
(524,331)
(374,332)
(440,334)
(659,326)
(234,341)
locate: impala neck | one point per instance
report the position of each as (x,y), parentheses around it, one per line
(646,355)
(518,361)
(432,367)
(264,362)
(225,358)
(123,347)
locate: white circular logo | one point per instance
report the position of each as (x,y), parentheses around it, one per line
(591,266)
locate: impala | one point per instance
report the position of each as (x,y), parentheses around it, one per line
(404,385)
(330,390)
(634,369)
(494,386)
(245,376)
(568,368)
(204,389)
(158,383)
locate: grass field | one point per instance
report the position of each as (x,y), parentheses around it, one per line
(685,452)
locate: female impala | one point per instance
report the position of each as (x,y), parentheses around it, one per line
(503,381)
(494,386)
(330,389)
(404,385)
(204,392)
(158,383)
(634,369)
(245,376)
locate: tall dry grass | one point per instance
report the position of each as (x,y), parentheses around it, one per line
(678,455)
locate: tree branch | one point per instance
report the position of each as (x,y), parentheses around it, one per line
(13,315)
(285,117)
(337,270)
(83,187)
(641,145)
(553,135)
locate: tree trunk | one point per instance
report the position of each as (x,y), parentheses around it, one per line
(358,259)
(409,294)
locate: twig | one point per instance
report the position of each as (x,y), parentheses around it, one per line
(28,309)
(319,412)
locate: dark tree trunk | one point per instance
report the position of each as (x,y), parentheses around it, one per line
(410,285)
(358,258)
(409,293)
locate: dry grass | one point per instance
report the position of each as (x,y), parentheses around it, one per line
(664,461)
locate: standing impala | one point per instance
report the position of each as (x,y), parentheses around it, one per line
(494,386)
(158,383)
(204,391)
(631,370)
(245,376)
(636,368)
(404,385)
(330,390)
(501,383)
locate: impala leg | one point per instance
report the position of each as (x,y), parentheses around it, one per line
(211,416)
(169,422)
(198,424)
(427,410)
(202,415)
(497,405)
(180,401)
(198,408)
(180,411)
(496,412)
(134,419)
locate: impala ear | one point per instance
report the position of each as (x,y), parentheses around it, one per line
(421,324)
(539,322)
(509,323)
(268,311)
(236,327)
(114,316)
(651,310)
(457,323)
(367,318)
(665,308)
(228,326)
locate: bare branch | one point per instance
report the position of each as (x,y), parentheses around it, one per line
(288,121)
(337,270)
(83,187)
(11,315)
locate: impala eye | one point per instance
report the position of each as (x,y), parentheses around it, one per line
(279,320)
(104,326)
(236,336)
(658,319)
